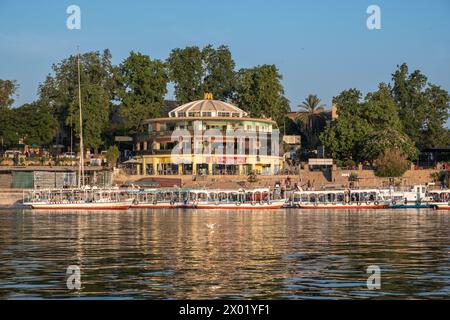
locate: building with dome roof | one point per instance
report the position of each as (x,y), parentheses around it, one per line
(201,129)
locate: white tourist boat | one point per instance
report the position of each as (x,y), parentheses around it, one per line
(261,198)
(339,199)
(78,199)
(440,199)
(83,197)
(416,197)
(159,198)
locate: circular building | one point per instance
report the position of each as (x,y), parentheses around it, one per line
(208,137)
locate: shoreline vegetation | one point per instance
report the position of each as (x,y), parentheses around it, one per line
(386,129)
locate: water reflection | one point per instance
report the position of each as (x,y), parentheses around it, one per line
(177,254)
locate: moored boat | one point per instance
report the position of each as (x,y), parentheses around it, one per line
(78,199)
(240,199)
(414,198)
(440,199)
(159,198)
(339,199)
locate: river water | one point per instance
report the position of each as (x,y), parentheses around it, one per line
(179,254)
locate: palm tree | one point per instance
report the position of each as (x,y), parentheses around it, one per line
(311,112)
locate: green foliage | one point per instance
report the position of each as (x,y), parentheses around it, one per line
(112,155)
(391,164)
(35,124)
(353,177)
(32,122)
(7,90)
(312,119)
(219,77)
(422,107)
(98,84)
(365,129)
(443,177)
(8,131)
(195,71)
(142,87)
(377,142)
(259,91)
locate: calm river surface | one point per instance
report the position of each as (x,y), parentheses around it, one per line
(178,254)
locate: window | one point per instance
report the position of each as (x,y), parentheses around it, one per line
(182,114)
(207,114)
(235,115)
(224,114)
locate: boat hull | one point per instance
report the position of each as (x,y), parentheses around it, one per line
(441,206)
(410,206)
(234,206)
(155,206)
(81,206)
(343,206)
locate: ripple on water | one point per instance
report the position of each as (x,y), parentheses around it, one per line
(289,254)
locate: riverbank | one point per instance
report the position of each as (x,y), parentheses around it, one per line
(336,178)
(11,198)
(313,179)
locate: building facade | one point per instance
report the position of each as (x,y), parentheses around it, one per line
(208,137)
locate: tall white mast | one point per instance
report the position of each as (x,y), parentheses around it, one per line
(81,165)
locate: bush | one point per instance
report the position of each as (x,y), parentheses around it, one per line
(348,163)
(353,177)
(112,155)
(252,177)
(391,164)
(443,177)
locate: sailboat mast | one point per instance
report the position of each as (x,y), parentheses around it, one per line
(81,165)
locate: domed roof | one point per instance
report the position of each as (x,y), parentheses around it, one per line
(207,108)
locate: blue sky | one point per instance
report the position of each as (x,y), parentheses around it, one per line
(320,46)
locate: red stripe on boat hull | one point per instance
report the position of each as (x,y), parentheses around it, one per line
(346,207)
(242,207)
(443,208)
(80,208)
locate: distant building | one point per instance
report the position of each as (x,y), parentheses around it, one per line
(154,148)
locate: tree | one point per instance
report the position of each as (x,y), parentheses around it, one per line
(112,155)
(352,134)
(380,110)
(378,142)
(311,115)
(423,108)
(186,71)
(391,164)
(195,71)
(34,123)
(142,87)
(98,85)
(220,75)
(342,139)
(259,91)
(8,132)
(7,90)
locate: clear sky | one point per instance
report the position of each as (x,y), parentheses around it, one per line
(320,47)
